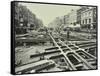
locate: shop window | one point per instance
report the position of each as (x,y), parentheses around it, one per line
(86,21)
(89,20)
(83,21)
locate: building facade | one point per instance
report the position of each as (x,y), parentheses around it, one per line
(73,17)
(79,16)
(66,19)
(84,18)
(88,18)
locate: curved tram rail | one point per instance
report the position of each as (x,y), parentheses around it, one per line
(75,55)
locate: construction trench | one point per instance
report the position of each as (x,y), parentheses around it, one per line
(65,55)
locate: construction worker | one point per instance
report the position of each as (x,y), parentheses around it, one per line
(68,33)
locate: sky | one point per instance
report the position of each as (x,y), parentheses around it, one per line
(47,12)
